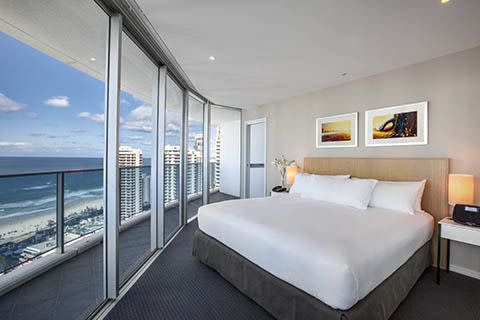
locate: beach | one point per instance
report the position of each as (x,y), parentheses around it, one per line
(16,226)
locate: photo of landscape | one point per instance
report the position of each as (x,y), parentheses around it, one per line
(337,131)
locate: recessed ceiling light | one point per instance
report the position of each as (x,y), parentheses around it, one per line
(211,58)
(93,59)
(444,1)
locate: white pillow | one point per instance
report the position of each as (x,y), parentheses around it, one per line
(404,196)
(351,192)
(305,182)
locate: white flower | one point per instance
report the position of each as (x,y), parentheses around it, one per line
(281,163)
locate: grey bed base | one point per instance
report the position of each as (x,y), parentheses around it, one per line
(286,302)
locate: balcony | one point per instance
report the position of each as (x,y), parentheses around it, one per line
(32,242)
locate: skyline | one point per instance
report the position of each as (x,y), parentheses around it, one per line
(50,109)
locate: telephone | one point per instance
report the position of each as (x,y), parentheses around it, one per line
(279,189)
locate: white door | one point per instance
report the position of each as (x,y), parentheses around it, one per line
(255,158)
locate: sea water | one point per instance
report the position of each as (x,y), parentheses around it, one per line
(34,193)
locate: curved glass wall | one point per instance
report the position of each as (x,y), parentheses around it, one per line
(52,171)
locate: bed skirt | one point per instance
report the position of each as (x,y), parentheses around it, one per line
(286,302)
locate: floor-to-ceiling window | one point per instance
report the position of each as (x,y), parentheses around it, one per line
(225,148)
(52,147)
(52,89)
(173,157)
(138,76)
(194,144)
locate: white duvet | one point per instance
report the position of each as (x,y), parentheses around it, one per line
(335,253)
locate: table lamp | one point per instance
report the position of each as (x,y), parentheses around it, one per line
(291,172)
(460,189)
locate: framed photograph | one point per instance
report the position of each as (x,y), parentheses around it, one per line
(337,131)
(397,126)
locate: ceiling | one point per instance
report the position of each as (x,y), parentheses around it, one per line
(69,31)
(272,49)
(74,32)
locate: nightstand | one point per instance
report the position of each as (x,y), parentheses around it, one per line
(278,194)
(450,230)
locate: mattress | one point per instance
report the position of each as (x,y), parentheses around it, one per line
(337,254)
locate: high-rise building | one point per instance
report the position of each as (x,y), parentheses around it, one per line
(195,163)
(217,158)
(194,171)
(131,181)
(172,171)
(194,168)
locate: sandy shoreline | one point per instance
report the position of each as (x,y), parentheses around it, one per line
(27,223)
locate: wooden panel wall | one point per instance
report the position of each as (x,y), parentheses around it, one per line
(434,170)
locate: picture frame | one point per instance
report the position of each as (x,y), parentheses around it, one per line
(400,125)
(339,131)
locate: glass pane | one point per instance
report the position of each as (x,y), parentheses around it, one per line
(173,120)
(83,204)
(52,91)
(138,74)
(28,219)
(194,157)
(225,140)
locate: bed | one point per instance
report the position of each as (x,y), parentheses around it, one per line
(308,259)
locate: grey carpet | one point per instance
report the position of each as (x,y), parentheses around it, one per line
(177,286)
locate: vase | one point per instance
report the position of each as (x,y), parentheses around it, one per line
(283,176)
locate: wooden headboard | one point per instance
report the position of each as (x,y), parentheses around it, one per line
(434,170)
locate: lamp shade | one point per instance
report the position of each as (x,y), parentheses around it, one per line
(291,172)
(460,189)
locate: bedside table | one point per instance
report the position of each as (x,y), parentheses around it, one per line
(450,230)
(278,194)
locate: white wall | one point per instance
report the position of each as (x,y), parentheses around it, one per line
(230,158)
(451,84)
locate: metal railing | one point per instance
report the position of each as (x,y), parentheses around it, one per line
(43,211)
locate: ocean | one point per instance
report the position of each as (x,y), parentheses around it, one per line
(36,193)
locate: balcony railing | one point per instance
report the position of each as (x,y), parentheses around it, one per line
(43,211)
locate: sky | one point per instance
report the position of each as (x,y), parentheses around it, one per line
(48,108)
